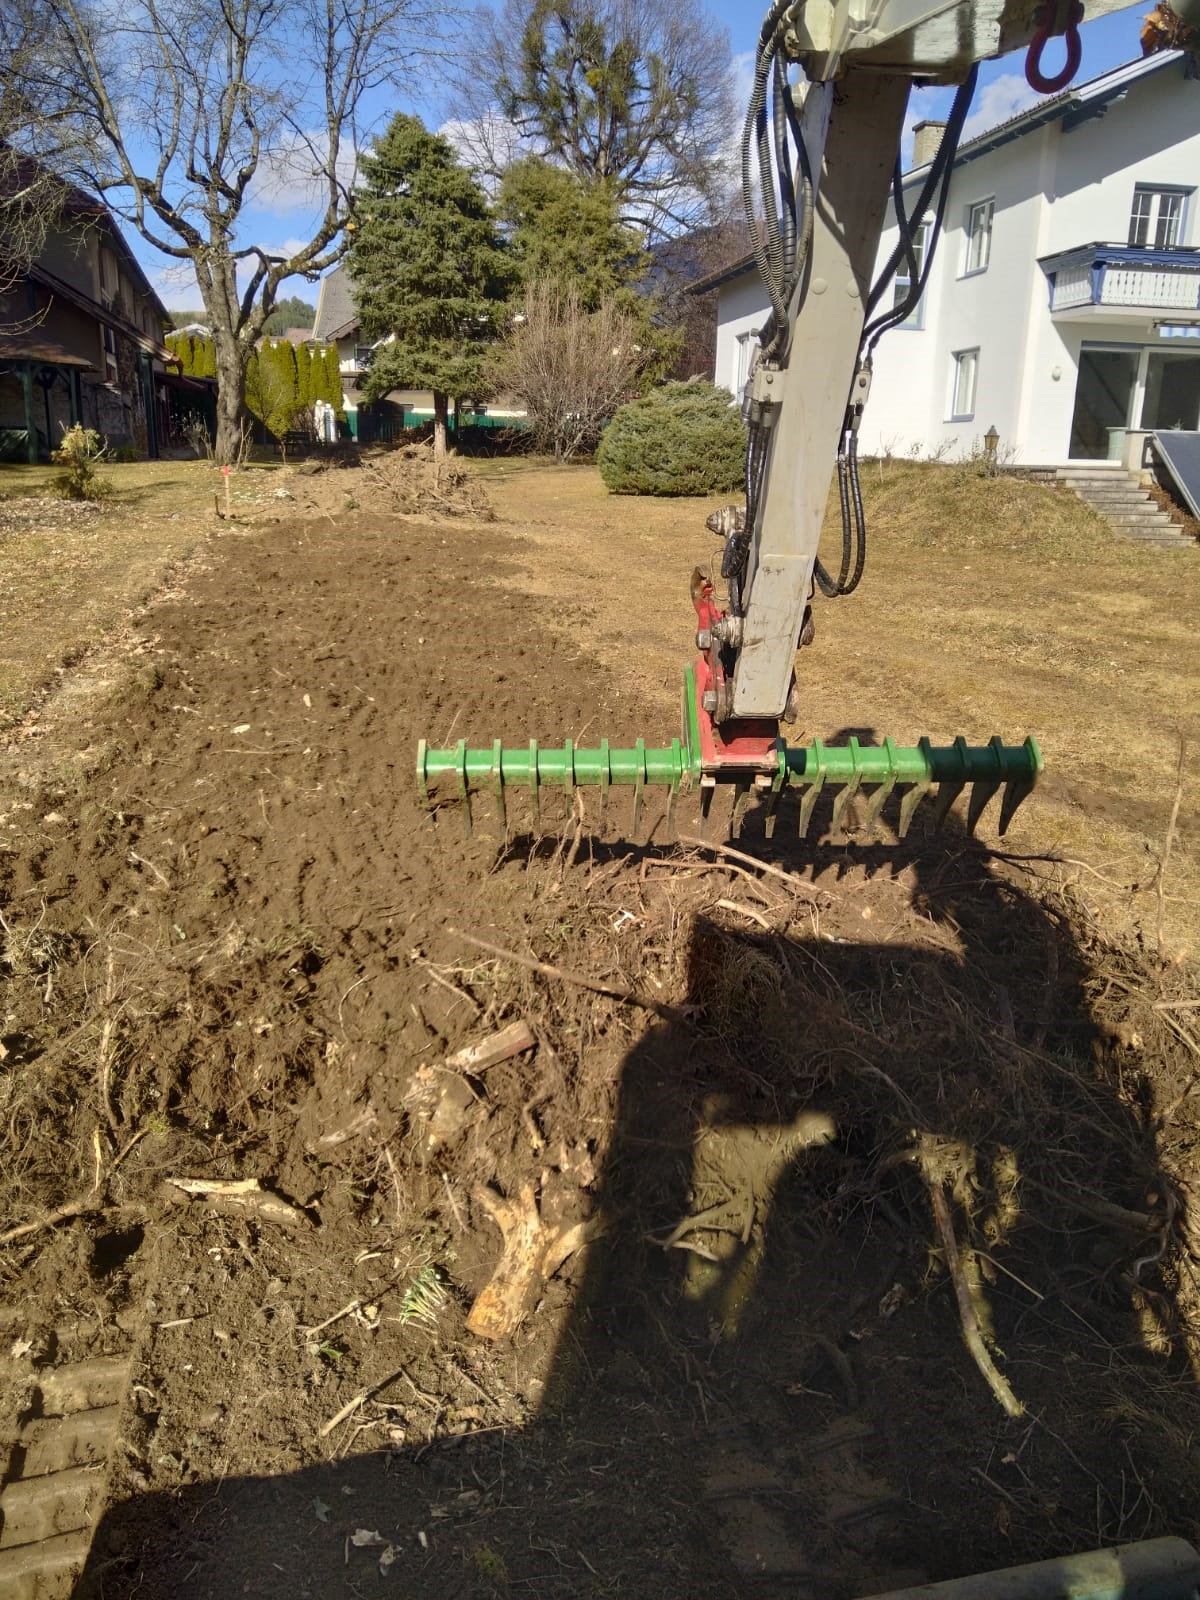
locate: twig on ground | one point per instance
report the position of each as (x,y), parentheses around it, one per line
(337,1316)
(84,1205)
(104,1075)
(972,1333)
(454,1205)
(614,991)
(395,1182)
(797,885)
(1160,876)
(745,911)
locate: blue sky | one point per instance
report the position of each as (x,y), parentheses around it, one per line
(280,215)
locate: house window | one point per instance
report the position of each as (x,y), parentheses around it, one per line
(1157,218)
(979,235)
(746,345)
(906,278)
(362,355)
(962,395)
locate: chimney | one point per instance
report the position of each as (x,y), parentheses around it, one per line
(926,138)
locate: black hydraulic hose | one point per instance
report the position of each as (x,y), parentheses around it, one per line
(938,176)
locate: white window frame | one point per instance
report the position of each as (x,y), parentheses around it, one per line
(1155,194)
(963,395)
(977,226)
(747,343)
(915,320)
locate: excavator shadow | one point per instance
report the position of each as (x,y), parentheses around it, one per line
(761,1385)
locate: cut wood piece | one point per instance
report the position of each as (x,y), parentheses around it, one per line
(532,1252)
(489,1052)
(362,1122)
(242,1195)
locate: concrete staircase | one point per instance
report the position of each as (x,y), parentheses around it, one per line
(1125,505)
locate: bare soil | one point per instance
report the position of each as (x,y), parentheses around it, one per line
(235,947)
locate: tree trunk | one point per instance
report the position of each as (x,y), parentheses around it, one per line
(231,389)
(439,425)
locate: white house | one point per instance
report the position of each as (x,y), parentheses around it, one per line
(1063,305)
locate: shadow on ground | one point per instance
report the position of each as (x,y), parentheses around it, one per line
(762,1387)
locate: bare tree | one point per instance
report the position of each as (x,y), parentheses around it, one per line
(572,367)
(635,94)
(196,108)
(33,196)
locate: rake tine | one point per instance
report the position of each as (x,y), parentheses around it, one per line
(982,791)
(814,789)
(741,793)
(496,781)
(883,790)
(913,796)
(947,794)
(850,788)
(677,751)
(639,784)
(464,793)
(422,781)
(775,794)
(1020,788)
(708,787)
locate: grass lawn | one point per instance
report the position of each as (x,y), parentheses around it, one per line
(70,572)
(989,605)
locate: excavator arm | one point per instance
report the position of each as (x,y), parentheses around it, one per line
(820,163)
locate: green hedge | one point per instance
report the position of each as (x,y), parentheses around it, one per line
(683,438)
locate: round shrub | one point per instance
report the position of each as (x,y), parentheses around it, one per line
(683,438)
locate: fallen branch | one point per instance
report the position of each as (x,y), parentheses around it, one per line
(745,911)
(83,1206)
(797,885)
(614,991)
(243,1194)
(972,1333)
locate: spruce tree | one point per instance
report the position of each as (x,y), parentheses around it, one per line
(569,229)
(430,273)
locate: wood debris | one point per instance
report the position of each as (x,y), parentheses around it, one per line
(243,1195)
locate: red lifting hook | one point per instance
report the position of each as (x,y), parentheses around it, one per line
(1046,28)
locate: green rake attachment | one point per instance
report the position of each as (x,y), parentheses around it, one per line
(698,762)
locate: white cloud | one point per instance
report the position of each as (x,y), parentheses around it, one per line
(176,287)
(1003,98)
(291,177)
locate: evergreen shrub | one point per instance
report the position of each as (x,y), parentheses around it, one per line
(682,438)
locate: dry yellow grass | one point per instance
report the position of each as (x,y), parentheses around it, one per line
(989,605)
(70,572)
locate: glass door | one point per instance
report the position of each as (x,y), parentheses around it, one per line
(1103,399)
(1172,398)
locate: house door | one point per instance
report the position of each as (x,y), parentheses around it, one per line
(1103,399)
(1172,398)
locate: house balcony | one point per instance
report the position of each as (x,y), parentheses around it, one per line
(1099,283)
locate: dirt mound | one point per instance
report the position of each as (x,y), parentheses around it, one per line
(239,952)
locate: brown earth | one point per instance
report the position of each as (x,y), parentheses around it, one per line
(230,935)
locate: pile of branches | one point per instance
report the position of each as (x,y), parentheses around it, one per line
(412,480)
